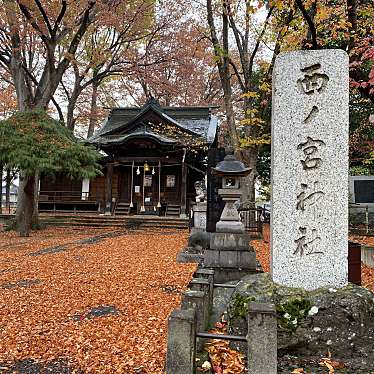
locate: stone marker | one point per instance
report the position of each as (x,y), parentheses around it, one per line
(180,356)
(309,232)
(200,215)
(262,338)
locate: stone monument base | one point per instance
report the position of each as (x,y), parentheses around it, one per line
(312,323)
(230,255)
(230,226)
(190,255)
(224,275)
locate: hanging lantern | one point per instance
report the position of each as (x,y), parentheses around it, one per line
(146,167)
(137,171)
(153,171)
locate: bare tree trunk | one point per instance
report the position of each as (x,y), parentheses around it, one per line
(70,120)
(222,59)
(25,207)
(8,181)
(93,115)
(35,214)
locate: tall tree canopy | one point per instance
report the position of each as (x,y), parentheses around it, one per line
(38,43)
(247,36)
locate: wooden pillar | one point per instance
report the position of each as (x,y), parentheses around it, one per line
(108,189)
(184,190)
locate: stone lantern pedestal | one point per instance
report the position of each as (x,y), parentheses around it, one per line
(230,220)
(230,252)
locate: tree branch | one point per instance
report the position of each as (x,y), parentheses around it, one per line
(45,17)
(60,17)
(352,18)
(58,108)
(310,23)
(258,42)
(237,73)
(33,22)
(85,21)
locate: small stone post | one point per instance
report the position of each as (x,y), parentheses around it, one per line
(180,357)
(205,285)
(205,273)
(197,300)
(262,339)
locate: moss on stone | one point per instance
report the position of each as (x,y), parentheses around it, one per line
(292,312)
(240,305)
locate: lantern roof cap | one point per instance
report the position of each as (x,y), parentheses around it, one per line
(231,166)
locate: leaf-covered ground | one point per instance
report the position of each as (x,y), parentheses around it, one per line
(262,248)
(94,301)
(99,306)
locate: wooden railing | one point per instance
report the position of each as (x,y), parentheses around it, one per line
(65,196)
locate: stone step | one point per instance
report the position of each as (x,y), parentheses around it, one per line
(111,218)
(127,225)
(110,221)
(173,210)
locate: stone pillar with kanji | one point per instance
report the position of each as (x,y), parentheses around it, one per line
(309,218)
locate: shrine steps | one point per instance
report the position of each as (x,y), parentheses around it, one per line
(101,221)
(173,210)
(122,209)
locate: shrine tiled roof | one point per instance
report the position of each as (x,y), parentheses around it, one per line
(122,122)
(105,140)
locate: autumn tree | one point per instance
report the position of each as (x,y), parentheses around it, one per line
(346,25)
(239,38)
(38,44)
(175,66)
(8,105)
(108,50)
(343,24)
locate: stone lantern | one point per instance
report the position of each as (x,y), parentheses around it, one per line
(231,170)
(230,253)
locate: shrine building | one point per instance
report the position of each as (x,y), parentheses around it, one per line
(152,156)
